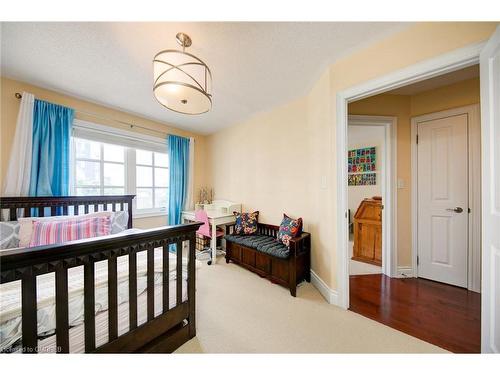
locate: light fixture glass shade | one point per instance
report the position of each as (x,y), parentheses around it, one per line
(182,82)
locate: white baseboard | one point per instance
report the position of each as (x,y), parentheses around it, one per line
(331,296)
(404,272)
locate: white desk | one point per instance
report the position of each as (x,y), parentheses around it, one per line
(215,217)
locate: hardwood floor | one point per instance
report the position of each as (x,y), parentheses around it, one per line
(444,315)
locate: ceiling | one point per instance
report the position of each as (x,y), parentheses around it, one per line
(439,81)
(255,66)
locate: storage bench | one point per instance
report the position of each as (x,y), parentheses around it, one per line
(262,254)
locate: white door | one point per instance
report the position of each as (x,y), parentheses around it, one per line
(442,199)
(490,127)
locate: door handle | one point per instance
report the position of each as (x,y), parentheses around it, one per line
(456,209)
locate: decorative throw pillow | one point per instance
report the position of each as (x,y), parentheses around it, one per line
(9,234)
(289,228)
(119,222)
(52,232)
(26,229)
(246,222)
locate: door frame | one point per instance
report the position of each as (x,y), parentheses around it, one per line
(389,194)
(490,123)
(433,67)
(474,190)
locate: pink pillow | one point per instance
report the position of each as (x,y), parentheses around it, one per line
(51,232)
(26,224)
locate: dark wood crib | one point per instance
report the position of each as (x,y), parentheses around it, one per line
(161,333)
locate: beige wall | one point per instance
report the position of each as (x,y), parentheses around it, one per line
(10,106)
(452,96)
(404,107)
(284,160)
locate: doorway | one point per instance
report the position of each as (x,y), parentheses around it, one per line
(408,298)
(371,170)
(447,63)
(488,55)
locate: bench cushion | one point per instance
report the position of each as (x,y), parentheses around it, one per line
(265,244)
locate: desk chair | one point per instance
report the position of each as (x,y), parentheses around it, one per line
(205,231)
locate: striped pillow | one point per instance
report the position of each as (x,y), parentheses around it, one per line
(51,232)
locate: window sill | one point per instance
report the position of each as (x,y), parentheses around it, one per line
(142,215)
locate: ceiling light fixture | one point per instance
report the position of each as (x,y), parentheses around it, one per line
(182,82)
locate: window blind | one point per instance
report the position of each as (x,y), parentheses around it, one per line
(105,134)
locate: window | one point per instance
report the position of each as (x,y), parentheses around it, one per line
(152,179)
(99,168)
(109,169)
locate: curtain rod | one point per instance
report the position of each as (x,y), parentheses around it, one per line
(130,125)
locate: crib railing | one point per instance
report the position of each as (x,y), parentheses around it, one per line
(178,322)
(65,205)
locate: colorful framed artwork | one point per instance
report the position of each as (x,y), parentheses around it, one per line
(361,164)
(362,160)
(362,179)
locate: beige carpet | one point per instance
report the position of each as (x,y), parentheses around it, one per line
(239,312)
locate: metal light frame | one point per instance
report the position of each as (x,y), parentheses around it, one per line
(185,41)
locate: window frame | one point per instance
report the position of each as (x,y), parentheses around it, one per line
(102,186)
(99,133)
(153,186)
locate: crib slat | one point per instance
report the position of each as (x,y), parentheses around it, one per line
(41,211)
(65,210)
(112,299)
(178,248)
(192,286)
(113,207)
(150,283)
(132,289)
(89,306)
(76,209)
(96,208)
(62,326)
(166,276)
(27,212)
(53,210)
(29,319)
(86,208)
(13,214)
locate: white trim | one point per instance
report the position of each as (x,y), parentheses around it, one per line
(446,63)
(331,296)
(388,183)
(474,195)
(142,215)
(443,64)
(87,129)
(490,127)
(413,198)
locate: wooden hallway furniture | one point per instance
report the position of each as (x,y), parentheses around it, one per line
(368,232)
(288,272)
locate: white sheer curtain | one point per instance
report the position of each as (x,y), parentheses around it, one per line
(189,203)
(17,179)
